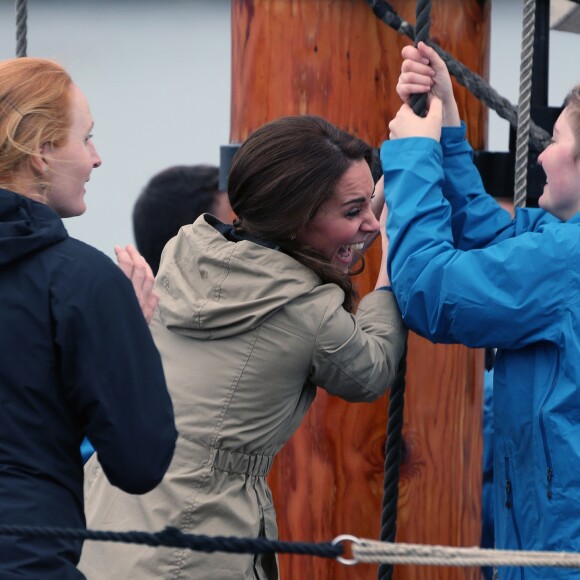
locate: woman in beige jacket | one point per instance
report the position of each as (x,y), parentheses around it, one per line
(252,316)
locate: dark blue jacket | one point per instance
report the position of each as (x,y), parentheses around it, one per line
(76,358)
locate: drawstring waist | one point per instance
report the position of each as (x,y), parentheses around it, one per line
(241,463)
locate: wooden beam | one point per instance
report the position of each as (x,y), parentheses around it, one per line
(338,60)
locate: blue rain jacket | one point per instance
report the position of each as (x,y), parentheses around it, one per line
(464,272)
(76,358)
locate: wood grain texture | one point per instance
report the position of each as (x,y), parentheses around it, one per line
(336,59)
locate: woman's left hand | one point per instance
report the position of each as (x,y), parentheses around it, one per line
(134,266)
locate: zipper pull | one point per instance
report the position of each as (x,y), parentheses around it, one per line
(508,492)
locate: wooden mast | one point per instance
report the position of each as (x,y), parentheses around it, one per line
(338,60)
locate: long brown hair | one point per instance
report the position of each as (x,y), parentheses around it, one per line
(280,177)
(35,102)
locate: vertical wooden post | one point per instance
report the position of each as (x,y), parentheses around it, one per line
(337,60)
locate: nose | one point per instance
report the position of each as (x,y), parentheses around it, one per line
(370,223)
(542,155)
(97,161)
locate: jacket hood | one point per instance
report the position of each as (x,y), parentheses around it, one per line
(211,287)
(26,226)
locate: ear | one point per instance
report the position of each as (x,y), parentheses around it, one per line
(38,159)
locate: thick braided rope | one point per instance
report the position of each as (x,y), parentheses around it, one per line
(21,28)
(418,102)
(539,138)
(369,551)
(524,112)
(174,538)
(393,449)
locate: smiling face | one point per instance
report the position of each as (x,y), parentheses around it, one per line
(68,166)
(345,221)
(561,163)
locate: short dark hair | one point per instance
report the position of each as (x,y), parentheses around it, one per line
(572,103)
(281,175)
(173,198)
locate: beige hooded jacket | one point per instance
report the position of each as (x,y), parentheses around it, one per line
(245,333)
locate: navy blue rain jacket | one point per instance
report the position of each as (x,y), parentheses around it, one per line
(464,272)
(76,358)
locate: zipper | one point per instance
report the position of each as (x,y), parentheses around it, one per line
(548,457)
(509,504)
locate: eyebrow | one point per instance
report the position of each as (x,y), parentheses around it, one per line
(355,200)
(360,199)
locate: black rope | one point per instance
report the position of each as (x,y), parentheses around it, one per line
(539,138)
(418,101)
(393,450)
(174,538)
(21,28)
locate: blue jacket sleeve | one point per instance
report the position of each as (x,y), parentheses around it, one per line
(113,376)
(477,219)
(507,295)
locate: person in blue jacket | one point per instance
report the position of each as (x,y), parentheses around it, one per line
(464,271)
(76,354)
